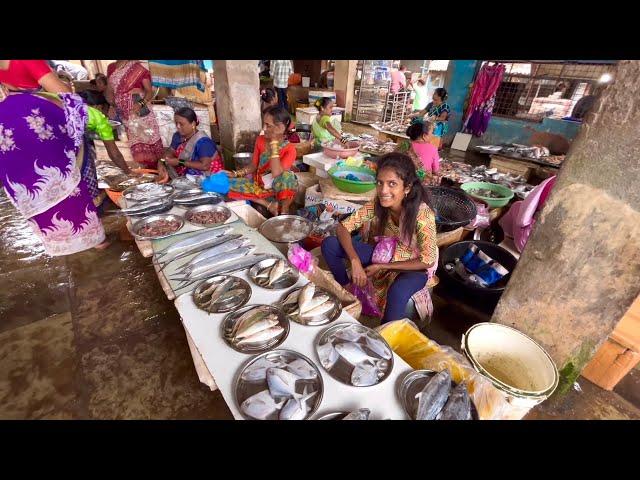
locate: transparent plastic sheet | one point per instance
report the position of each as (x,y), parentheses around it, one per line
(420,353)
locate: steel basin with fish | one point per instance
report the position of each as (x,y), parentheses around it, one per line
(236,303)
(285,230)
(147,191)
(245,388)
(137,226)
(287,280)
(342,369)
(412,384)
(230,320)
(188,216)
(317,320)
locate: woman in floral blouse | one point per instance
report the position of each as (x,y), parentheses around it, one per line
(399,210)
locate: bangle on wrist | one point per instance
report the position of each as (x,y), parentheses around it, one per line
(182,162)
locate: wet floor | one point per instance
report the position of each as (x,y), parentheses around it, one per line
(92,336)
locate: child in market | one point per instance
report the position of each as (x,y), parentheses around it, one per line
(423,152)
(322,128)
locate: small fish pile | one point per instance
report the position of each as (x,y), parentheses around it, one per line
(271,276)
(290,385)
(148,191)
(209,218)
(146,208)
(484,192)
(220,294)
(366,354)
(360,414)
(307,303)
(183,183)
(159,228)
(257,325)
(438,401)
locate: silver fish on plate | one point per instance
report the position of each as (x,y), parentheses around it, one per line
(228,246)
(261,323)
(261,405)
(365,375)
(354,354)
(360,414)
(202,267)
(458,406)
(328,355)
(258,370)
(191,242)
(433,396)
(306,295)
(201,246)
(282,383)
(297,408)
(379,347)
(325,307)
(241,263)
(302,369)
(221,294)
(350,333)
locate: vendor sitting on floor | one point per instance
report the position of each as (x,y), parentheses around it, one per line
(399,210)
(424,153)
(274,185)
(192,152)
(322,128)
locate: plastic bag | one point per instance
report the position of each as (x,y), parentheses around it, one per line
(422,353)
(483,217)
(301,259)
(218,183)
(367,298)
(384,250)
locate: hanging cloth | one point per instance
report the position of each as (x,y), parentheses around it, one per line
(483,99)
(178,74)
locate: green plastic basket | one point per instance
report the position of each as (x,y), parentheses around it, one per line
(505,193)
(352,186)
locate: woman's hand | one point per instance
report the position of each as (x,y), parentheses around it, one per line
(163,174)
(136,108)
(358,274)
(229,173)
(174,162)
(372,269)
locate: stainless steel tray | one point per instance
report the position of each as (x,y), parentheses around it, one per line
(207,208)
(245,388)
(286,281)
(318,320)
(159,191)
(412,384)
(230,320)
(341,369)
(332,416)
(230,306)
(135,228)
(273,228)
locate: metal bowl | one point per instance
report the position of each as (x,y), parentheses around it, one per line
(136,192)
(234,304)
(230,320)
(341,370)
(207,208)
(245,389)
(412,384)
(135,228)
(318,320)
(332,416)
(275,228)
(286,281)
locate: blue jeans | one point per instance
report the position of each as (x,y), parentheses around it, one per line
(400,291)
(282,98)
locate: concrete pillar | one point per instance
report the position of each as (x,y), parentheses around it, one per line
(459,76)
(238,105)
(344,81)
(580,270)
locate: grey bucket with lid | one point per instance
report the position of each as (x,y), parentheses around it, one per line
(242,160)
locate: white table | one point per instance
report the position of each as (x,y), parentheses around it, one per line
(323,163)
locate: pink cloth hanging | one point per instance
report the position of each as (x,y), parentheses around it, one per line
(482,99)
(518,222)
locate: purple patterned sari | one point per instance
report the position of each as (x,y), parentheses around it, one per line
(41,151)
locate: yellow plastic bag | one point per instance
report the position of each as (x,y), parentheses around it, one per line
(421,353)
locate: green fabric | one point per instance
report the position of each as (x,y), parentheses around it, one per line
(98,123)
(421,99)
(320,132)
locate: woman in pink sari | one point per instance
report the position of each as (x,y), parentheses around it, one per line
(129,91)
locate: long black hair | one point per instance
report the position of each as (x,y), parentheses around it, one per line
(187,113)
(279,115)
(403,166)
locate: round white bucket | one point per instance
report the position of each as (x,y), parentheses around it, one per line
(512,361)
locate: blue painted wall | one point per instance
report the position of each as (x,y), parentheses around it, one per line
(501,130)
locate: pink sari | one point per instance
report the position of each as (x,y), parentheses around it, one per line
(143,132)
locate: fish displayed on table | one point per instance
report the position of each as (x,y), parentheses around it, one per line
(261,405)
(183,183)
(191,243)
(306,294)
(365,375)
(258,370)
(297,408)
(354,353)
(269,276)
(257,326)
(328,355)
(302,369)
(231,243)
(213,297)
(433,396)
(203,266)
(348,334)
(360,414)
(142,209)
(458,406)
(193,200)
(321,309)
(282,383)
(378,347)
(200,247)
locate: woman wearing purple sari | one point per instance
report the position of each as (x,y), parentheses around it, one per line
(41,153)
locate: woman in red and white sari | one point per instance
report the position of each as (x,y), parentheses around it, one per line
(129,91)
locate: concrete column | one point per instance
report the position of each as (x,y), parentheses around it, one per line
(580,271)
(459,76)
(237,90)
(344,81)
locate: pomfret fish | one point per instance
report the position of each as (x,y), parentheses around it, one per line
(458,407)
(360,414)
(282,383)
(261,405)
(258,370)
(297,409)
(433,396)
(354,354)
(365,375)
(302,369)
(376,345)
(328,355)
(349,333)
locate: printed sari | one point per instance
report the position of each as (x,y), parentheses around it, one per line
(41,154)
(143,132)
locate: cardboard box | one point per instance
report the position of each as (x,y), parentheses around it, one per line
(610,364)
(313,196)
